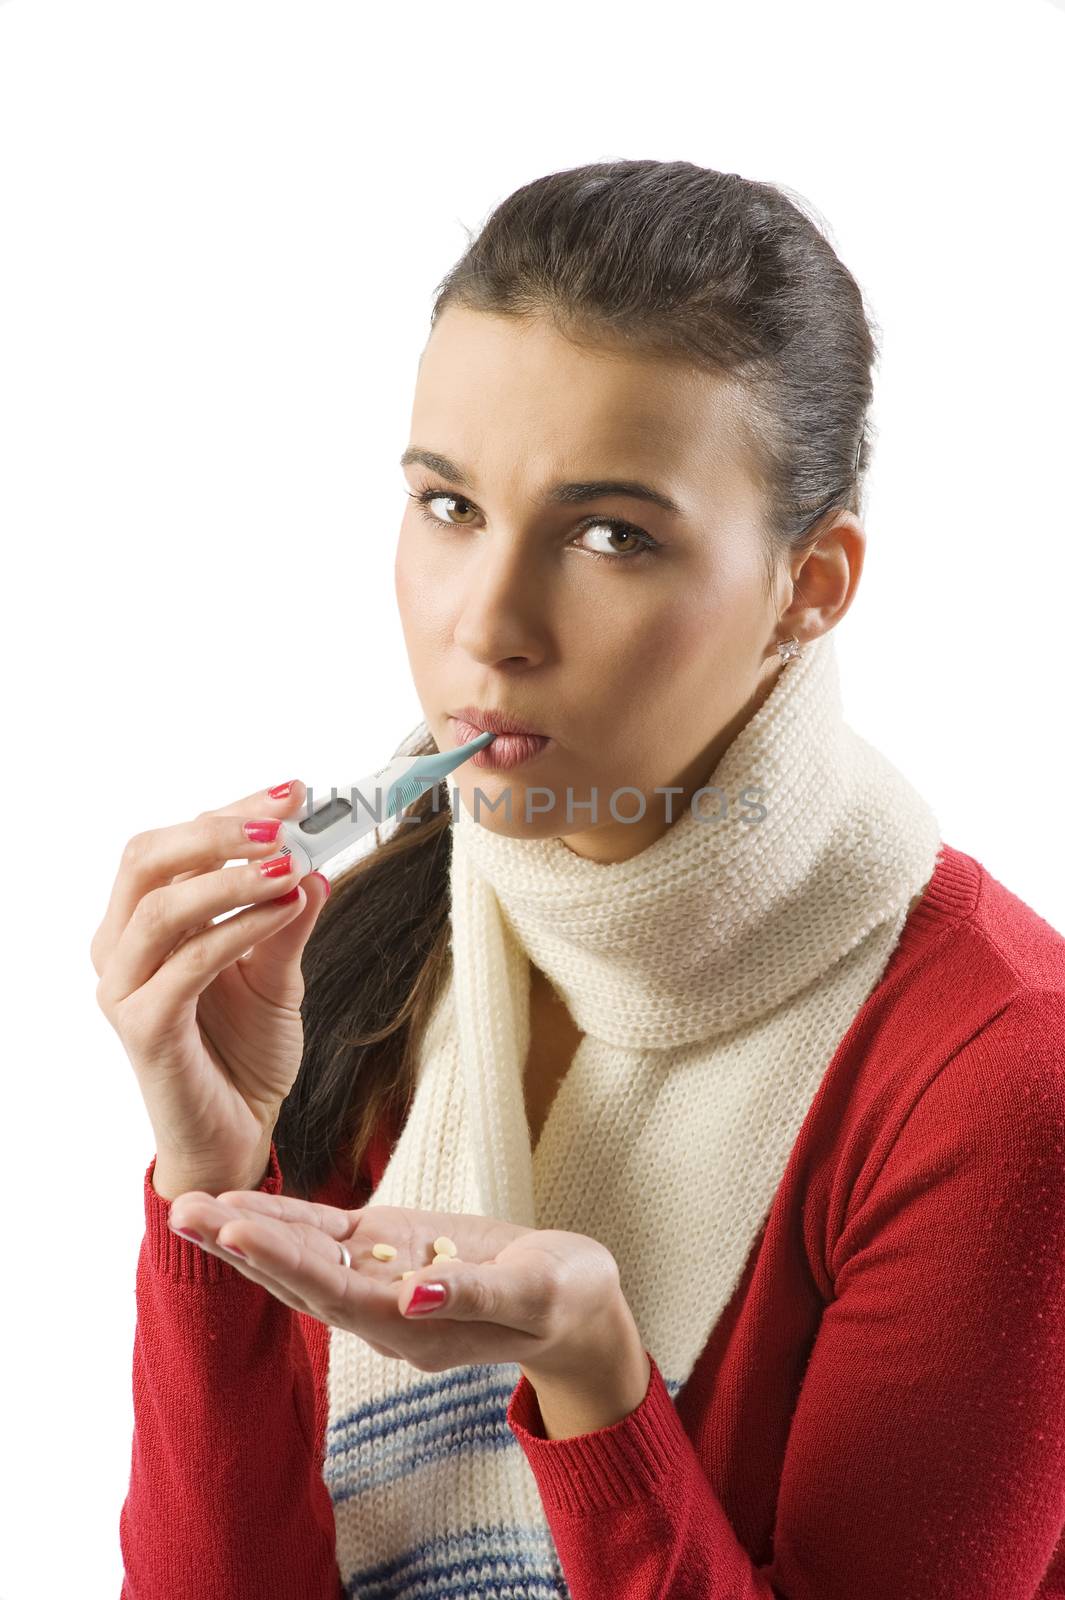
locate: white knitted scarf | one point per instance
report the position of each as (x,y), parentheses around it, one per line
(713,975)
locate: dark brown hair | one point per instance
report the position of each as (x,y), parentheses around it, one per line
(662,257)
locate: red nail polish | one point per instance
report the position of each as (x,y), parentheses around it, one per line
(427,1297)
(187,1233)
(284,899)
(235,1252)
(276,867)
(262,832)
(325,880)
(282,791)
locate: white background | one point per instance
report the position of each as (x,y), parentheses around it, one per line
(221,225)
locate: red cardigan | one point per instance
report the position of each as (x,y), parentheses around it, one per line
(879,1413)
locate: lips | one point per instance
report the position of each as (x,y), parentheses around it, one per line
(506,749)
(485,721)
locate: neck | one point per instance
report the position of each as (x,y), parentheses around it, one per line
(741,901)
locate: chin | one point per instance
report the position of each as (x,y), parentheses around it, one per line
(490,789)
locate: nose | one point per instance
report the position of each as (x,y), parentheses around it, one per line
(501,612)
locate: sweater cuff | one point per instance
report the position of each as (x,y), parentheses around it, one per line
(614,1466)
(176,1257)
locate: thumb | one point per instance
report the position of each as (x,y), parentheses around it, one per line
(465,1292)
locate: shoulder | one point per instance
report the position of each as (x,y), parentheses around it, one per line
(985,972)
(1005,1085)
(974,1024)
(1019,937)
(974,941)
(960,1044)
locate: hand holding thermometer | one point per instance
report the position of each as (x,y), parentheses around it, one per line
(330,827)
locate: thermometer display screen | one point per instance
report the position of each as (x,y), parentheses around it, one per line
(333,811)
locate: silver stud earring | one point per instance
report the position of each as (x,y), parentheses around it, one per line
(789,649)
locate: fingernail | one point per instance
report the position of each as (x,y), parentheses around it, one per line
(325,880)
(187,1233)
(233,1251)
(262,832)
(427,1297)
(276,867)
(282,791)
(284,899)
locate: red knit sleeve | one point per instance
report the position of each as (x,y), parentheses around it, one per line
(926,1455)
(226,1500)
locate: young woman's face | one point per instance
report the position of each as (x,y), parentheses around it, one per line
(639,639)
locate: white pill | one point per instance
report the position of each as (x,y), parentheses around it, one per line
(445,1246)
(409,1274)
(384,1252)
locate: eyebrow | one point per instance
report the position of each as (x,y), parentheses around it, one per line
(557,493)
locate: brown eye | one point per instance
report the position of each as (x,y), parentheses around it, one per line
(636,543)
(630,539)
(456,499)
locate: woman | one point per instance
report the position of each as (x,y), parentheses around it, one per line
(724,1095)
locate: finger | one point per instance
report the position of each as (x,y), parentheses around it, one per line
(162,855)
(264,807)
(308,1264)
(297,793)
(164,999)
(282,1249)
(284,1292)
(281,1291)
(164,915)
(208,1214)
(338,1224)
(246,1248)
(514,1298)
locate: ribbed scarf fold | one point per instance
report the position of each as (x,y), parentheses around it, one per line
(713,976)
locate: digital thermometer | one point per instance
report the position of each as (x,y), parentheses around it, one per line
(349,812)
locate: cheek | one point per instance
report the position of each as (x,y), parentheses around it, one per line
(678,677)
(403,571)
(672,645)
(418,597)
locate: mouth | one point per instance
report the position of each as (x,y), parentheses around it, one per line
(512,746)
(485,721)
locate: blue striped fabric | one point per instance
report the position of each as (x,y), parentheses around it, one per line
(492,1562)
(461,1411)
